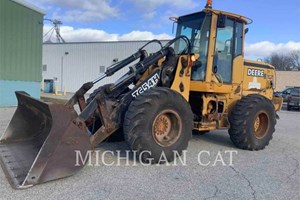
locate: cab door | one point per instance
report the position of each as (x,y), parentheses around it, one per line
(223,57)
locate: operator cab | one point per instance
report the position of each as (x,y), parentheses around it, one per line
(225,32)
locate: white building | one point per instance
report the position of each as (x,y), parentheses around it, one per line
(72,64)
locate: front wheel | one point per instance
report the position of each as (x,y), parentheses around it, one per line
(252,122)
(158,124)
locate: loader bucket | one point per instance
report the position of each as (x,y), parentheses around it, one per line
(40,142)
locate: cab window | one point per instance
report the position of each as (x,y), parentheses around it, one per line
(223,51)
(238,50)
(229,44)
(197,28)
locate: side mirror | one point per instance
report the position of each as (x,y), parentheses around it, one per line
(222,21)
(246,30)
(175,20)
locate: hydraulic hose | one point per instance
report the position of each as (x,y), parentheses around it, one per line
(117,66)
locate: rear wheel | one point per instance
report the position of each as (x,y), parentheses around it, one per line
(158,123)
(252,122)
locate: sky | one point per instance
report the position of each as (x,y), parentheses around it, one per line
(276,26)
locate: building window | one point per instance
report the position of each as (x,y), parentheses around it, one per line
(44,68)
(102,69)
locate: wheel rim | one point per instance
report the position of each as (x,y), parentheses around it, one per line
(261,124)
(167,127)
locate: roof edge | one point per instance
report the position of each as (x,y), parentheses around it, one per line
(30,6)
(97,42)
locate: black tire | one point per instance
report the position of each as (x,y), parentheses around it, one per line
(117,136)
(252,122)
(153,122)
(196,132)
(288,107)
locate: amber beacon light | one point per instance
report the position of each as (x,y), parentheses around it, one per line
(208,4)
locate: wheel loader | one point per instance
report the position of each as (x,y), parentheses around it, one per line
(199,81)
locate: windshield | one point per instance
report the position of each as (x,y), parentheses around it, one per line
(197,28)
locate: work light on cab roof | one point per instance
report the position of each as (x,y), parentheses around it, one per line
(209,4)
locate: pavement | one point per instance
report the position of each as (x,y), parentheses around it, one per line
(272,173)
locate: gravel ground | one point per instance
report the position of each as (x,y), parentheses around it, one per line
(272,173)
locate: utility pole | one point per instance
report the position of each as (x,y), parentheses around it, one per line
(56,28)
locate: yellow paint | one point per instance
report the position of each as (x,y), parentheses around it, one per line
(232,15)
(266,88)
(211,48)
(217,99)
(214,90)
(184,79)
(56,93)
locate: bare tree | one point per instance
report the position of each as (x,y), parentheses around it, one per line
(285,62)
(295,58)
(281,62)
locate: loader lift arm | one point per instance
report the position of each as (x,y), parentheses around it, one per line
(41,140)
(112,110)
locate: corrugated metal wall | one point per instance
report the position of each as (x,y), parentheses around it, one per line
(82,64)
(21,32)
